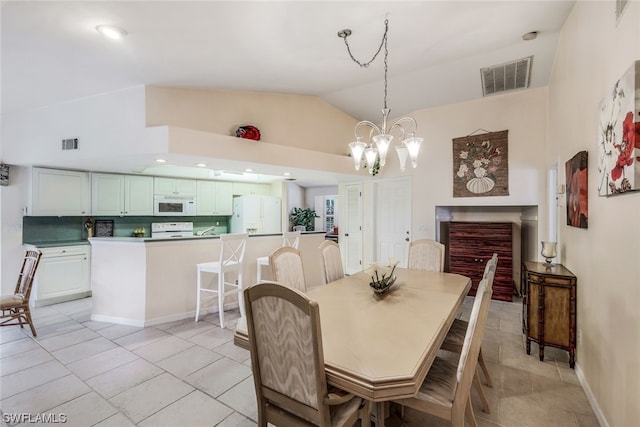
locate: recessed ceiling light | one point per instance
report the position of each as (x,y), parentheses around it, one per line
(530,36)
(201,165)
(161,161)
(287,174)
(248,170)
(111,32)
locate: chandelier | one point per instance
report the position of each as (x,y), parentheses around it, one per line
(379,139)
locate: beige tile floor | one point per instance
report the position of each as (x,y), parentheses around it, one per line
(190,374)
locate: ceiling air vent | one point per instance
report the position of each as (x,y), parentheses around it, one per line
(70,144)
(508,76)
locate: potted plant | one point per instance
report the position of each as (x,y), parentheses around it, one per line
(303,218)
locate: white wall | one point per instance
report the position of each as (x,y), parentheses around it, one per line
(104,125)
(593,53)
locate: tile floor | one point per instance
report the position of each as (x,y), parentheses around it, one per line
(191,374)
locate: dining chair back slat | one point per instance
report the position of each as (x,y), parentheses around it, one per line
(331,261)
(426,255)
(287,269)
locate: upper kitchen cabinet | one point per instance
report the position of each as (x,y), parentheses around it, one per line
(248,189)
(214,198)
(174,187)
(121,194)
(60,193)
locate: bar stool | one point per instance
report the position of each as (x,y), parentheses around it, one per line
(232,248)
(290,239)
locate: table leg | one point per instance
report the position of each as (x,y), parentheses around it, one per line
(380,415)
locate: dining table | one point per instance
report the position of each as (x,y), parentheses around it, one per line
(380,347)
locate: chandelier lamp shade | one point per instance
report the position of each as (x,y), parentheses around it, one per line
(379,138)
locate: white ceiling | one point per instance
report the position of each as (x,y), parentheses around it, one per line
(51,53)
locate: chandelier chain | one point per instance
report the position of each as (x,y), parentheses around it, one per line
(383,42)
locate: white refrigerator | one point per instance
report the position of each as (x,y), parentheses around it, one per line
(256,215)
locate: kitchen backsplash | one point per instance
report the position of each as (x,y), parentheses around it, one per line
(71,228)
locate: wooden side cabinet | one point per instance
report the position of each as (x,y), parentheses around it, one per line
(549,307)
(468,247)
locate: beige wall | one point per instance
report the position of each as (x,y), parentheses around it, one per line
(593,53)
(292,120)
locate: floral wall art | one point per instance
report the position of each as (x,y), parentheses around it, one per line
(480,165)
(619,136)
(577,200)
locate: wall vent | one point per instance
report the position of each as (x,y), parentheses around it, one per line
(508,76)
(70,144)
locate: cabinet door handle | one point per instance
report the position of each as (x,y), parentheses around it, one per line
(406,240)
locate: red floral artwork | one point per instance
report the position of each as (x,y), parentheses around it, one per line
(577,200)
(619,136)
(626,146)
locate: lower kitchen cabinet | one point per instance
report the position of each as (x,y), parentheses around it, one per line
(63,274)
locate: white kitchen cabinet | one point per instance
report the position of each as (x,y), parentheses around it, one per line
(247,189)
(63,274)
(120,195)
(214,198)
(57,192)
(174,186)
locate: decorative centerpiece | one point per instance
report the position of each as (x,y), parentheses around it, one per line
(382,278)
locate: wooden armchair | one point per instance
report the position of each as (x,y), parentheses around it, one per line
(287,359)
(331,261)
(15,307)
(426,255)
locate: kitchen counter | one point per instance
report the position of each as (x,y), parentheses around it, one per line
(208,236)
(56,243)
(140,281)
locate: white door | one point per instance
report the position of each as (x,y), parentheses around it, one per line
(392,216)
(351,229)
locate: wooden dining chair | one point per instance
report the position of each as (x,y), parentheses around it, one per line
(286,268)
(231,260)
(15,307)
(454,340)
(290,239)
(445,392)
(287,360)
(426,255)
(331,261)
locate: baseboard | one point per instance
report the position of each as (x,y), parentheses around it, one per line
(158,320)
(591,397)
(118,320)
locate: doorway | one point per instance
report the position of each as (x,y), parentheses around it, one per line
(392,220)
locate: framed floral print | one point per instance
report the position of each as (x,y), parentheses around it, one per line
(619,136)
(480,165)
(577,200)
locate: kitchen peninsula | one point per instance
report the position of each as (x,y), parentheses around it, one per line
(144,281)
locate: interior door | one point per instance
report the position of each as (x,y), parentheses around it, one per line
(351,229)
(392,217)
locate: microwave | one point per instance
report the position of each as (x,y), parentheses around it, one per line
(174,206)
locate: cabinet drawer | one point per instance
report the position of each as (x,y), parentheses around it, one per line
(549,280)
(59,251)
